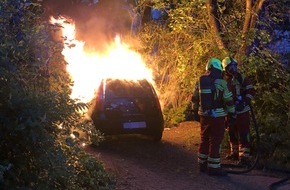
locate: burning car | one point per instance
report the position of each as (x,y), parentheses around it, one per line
(125,102)
(127,107)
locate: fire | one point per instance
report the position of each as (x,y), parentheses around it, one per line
(87,69)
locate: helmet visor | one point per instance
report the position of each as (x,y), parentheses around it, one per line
(232,68)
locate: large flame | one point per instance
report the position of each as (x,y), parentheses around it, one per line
(88,68)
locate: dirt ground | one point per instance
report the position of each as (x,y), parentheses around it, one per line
(138,163)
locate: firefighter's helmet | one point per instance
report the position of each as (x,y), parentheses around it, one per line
(228,61)
(214,63)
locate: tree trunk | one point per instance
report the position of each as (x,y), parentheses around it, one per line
(247,21)
(257,8)
(252,14)
(253,8)
(212,8)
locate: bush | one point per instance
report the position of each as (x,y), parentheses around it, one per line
(271,106)
(36,112)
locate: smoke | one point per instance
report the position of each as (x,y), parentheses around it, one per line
(96,24)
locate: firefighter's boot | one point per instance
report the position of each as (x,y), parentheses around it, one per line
(244,154)
(202,162)
(234,155)
(214,167)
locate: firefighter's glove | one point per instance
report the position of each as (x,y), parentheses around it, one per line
(240,104)
(231,119)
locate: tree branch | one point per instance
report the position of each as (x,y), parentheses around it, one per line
(252,14)
(248,16)
(256,10)
(214,22)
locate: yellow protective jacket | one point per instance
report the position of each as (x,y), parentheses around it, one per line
(243,87)
(223,98)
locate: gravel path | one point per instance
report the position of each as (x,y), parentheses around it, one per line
(138,163)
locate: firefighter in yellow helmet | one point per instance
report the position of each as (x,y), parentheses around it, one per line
(213,101)
(243,92)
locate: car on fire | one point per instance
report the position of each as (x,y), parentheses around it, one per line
(127,107)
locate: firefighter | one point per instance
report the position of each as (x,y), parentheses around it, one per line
(213,101)
(243,92)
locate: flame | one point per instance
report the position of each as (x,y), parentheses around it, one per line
(87,69)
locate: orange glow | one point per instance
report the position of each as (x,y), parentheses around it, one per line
(88,68)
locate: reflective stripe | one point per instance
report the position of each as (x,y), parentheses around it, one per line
(219,110)
(218,86)
(228,95)
(205,91)
(220,114)
(247,108)
(249,96)
(214,159)
(250,86)
(214,162)
(202,156)
(214,165)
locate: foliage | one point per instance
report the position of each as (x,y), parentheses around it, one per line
(172,87)
(272,82)
(36,113)
(179,48)
(271,104)
(182,39)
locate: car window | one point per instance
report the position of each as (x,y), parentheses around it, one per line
(124,88)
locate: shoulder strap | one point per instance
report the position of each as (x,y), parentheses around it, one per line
(218,101)
(208,98)
(239,78)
